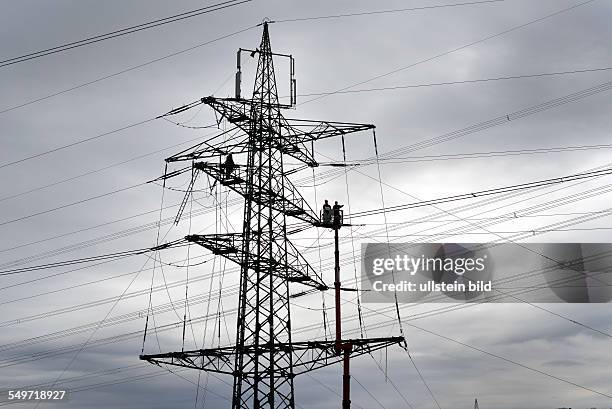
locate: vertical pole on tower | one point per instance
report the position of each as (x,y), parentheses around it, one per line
(344,348)
(337,290)
(346,377)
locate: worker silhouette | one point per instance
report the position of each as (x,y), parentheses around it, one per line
(229,166)
(327,213)
(337,215)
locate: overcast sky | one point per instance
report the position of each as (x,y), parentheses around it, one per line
(331,54)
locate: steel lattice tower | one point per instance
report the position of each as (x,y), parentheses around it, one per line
(264,360)
(264,318)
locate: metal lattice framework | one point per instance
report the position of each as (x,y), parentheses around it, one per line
(264,360)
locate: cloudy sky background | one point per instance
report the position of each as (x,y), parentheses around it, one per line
(330,54)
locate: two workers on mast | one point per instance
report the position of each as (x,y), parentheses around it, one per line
(329,212)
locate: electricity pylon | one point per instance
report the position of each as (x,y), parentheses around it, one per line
(264,359)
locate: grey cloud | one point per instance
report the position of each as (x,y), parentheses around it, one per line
(330,54)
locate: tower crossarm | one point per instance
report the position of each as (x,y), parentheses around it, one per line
(224,244)
(291,203)
(312,355)
(235,110)
(233,140)
(297,133)
(219,360)
(230,245)
(308,355)
(307,130)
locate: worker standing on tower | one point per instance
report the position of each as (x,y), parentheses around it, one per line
(229,166)
(327,213)
(337,214)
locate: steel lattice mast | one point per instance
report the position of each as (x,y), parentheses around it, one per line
(264,318)
(264,360)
